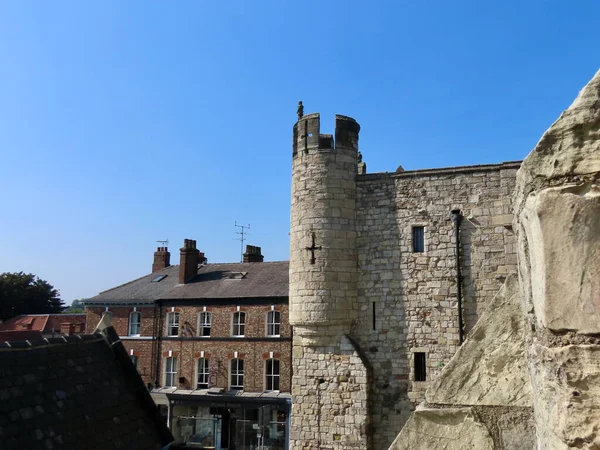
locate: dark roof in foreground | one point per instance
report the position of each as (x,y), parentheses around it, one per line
(78,392)
(213,281)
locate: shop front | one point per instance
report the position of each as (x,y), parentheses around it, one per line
(233,422)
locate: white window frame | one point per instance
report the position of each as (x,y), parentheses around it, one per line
(202,373)
(170,371)
(172,323)
(132,323)
(234,371)
(273,326)
(238,326)
(204,323)
(272,377)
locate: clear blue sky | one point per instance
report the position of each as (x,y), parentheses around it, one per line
(122,123)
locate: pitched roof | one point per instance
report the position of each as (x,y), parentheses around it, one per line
(77,392)
(141,289)
(30,322)
(236,280)
(214,281)
(56,320)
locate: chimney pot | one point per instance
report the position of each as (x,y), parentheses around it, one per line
(253,254)
(162,259)
(189,259)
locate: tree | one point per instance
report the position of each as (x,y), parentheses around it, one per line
(25,293)
(75,308)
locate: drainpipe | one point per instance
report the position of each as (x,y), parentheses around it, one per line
(456,218)
(157,337)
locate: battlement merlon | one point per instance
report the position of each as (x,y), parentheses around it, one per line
(307,134)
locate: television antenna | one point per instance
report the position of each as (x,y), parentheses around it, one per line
(242,238)
(164,243)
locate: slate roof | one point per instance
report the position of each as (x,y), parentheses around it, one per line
(213,281)
(77,392)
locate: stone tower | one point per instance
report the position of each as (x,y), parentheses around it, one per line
(330,378)
(323,260)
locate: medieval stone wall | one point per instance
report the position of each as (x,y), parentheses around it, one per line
(354,273)
(332,387)
(408,299)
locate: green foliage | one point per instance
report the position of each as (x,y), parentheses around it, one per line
(25,293)
(75,308)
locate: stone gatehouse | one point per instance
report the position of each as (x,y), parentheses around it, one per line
(388,272)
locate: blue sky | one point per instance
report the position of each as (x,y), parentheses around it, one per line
(122,123)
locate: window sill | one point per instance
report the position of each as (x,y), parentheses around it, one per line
(238,335)
(273,335)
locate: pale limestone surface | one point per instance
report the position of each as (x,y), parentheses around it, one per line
(558,230)
(490,368)
(448,429)
(570,147)
(567,396)
(564,224)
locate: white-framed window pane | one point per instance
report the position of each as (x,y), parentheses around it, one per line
(237,374)
(272,375)
(203,373)
(273,323)
(134,360)
(239,323)
(135,320)
(204,324)
(170,372)
(173,324)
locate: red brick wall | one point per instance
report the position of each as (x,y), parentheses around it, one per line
(218,348)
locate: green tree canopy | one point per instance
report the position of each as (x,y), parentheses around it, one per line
(75,308)
(25,293)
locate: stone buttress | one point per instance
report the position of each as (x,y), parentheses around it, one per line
(330,376)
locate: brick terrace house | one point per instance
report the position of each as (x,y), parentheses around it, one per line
(212,342)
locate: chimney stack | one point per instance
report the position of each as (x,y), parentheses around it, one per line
(162,259)
(189,259)
(253,254)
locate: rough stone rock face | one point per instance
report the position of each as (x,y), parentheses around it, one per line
(490,368)
(564,224)
(454,429)
(557,221)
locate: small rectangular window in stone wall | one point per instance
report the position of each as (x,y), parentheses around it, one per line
(418,237)
(420,367)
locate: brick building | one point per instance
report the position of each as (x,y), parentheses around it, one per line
(37,326)
(212,342)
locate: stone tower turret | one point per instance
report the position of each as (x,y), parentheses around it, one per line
(323,258)
(330,378)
